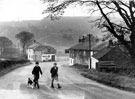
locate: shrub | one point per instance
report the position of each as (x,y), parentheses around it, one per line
(8,63)
(123,79)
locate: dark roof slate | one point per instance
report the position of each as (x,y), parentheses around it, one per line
(40,48)
(33,46)
(46,49)
(85,46)
(102,52)
(100,45)
(80,46)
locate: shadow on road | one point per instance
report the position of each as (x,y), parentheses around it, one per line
(43,93)
(68,91)
(75,91)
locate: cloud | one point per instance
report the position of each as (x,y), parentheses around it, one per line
(17,10)
(21,9)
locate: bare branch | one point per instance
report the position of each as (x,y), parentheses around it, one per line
(131,11)
(110,27)
(124,4)
(121,14)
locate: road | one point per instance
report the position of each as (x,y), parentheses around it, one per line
(14,85)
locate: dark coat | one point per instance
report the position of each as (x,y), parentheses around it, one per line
(36,70)
(54,71)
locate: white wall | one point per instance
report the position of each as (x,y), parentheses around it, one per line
(87,62)
(38,55)
(47,57)
(71,61)
(30,54)
(94,61)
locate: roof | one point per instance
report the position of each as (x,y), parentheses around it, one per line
(81,46)
(46,49)
(102,52)
(100,45)
(34,45)
(50,50)
(40,48)
(85,46)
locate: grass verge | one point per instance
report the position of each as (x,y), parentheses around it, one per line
(123,82)
(9,66)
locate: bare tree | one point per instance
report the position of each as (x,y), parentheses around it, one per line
(115,16)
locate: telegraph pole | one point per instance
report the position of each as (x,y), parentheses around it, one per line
(90,50)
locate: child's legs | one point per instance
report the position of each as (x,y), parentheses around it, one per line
(56,79)
(52,85)
(36,81)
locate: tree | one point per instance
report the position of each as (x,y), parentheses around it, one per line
(5,43)
(121,27)
(25,38)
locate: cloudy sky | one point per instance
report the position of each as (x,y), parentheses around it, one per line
(17,10)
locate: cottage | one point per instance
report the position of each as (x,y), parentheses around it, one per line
(111,56)
(99,46)
(38,52)
(105,51)
(30,51)
(80,53)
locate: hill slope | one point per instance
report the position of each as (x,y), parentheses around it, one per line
(62,33)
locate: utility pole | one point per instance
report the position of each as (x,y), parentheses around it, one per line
(90,50)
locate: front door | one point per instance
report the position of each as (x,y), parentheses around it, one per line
(53,57)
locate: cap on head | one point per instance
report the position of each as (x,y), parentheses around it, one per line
(55,64)
(37,63)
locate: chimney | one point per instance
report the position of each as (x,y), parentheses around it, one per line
(83,38)
(80,40)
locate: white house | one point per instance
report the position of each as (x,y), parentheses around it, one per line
(38,52)
(80,53)
(30,51)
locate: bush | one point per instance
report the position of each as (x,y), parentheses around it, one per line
(79,66)
(8,63)
(123,79)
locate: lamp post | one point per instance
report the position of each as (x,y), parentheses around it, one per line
(89,35)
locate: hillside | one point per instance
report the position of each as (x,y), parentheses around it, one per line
(61,34)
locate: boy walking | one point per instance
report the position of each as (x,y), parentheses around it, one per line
(36,70)
(54,75)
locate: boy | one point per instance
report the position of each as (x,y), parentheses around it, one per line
(54,75)
(36,70)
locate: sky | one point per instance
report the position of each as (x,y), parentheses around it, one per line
(18,10)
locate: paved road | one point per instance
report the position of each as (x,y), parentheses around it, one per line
(14,85)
